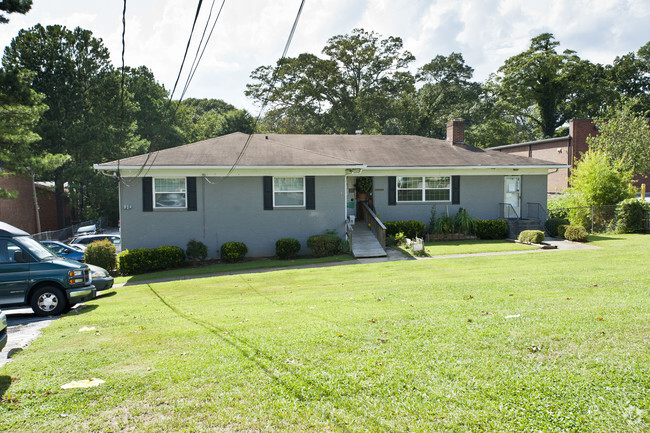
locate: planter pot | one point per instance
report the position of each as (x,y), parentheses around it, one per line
(362,196)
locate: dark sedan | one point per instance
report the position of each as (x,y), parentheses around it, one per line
(101,279)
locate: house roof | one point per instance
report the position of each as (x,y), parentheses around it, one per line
(287,150)
(536,142)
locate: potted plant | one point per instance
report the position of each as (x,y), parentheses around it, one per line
(363,187)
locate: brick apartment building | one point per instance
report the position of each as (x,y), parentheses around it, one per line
(20,211)
(567,150)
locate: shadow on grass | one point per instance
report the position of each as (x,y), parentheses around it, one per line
(5,383)
(106,294)
(601,237)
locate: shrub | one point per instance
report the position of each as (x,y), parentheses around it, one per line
(445,225)
(576,233)
(141,260)
(102,254)
(325,245)
(531,236)
(561,229)
(552,224)
(464,223)
(410,228)
(492,229)
(196,250)
(287,248)
(233,251)
(630,214)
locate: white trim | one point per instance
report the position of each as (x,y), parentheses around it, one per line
(154,192)
(423,190)
(303,191)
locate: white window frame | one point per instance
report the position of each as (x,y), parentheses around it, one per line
(154,192)
(303,191)
(423,189)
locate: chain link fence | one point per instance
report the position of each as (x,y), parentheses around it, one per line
(596,219)
(67,233)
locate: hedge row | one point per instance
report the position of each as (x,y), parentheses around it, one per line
(491,229)
(141,260)
(410,228)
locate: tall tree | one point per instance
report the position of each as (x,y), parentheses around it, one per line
(548,88)
(67,66)
(354,87)
(14,6)
(630,76)
(447,93)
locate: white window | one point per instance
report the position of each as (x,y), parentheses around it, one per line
(414,189)
(288,192)
(170,193)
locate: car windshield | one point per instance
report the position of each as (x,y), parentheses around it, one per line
(34,247)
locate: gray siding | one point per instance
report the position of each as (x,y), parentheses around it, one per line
(231,210)
(479,195)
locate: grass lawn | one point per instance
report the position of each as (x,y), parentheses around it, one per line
(555,341)
(469,247)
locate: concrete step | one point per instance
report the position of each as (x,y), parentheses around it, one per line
(517,226)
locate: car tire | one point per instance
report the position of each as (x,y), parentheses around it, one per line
(48,301)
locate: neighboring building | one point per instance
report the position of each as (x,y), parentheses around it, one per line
(20,211)
(273,186)
(562,150)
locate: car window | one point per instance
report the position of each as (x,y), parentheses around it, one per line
(7,251)
(56,248)
(35,248)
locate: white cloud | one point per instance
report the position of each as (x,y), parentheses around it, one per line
(251,33)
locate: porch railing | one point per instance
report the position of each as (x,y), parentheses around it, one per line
(376,226)
(537,211)
(506,211)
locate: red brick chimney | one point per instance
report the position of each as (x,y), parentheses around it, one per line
(579,130)
(456,132)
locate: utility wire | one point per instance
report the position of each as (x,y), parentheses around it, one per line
(119,153)
(268,93)
(171,95)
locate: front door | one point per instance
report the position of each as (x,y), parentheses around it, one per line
(512,197)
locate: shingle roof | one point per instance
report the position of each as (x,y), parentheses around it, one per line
(286,150)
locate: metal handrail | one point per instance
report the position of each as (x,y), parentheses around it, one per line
(538,210)
(502,213)
(376,226)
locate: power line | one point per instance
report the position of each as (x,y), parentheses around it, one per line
(268,93)
(171,95)
(119,153)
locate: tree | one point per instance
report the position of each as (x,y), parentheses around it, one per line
(353,88)
(14,6)
(624,136)
(69,67)
(548,88)
(208,118)
(447,93)
(630,76)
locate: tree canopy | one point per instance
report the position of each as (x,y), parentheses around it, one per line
(14,6)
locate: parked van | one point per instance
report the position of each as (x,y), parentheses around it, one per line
(31,275)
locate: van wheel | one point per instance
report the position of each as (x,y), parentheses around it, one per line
(48,301)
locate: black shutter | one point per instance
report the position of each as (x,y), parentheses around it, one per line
(268,192)
(147,195)
(455,190)
(392,190)
(310,200)
(191,193)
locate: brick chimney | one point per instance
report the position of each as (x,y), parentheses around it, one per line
(579,130)
(456,132)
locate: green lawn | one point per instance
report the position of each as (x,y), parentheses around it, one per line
(554,341)
(444,248)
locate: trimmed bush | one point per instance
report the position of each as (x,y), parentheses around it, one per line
(561,229)
(141,260)
(576,234)
(531,236)
(630,214)
(233,251)
(102,254)
(491,229)
(325,245)
(196,250)
(287,248)
(552,224)
(410,228)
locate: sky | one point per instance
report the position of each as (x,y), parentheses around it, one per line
(252,33)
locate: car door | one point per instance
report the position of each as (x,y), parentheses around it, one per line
(14,274)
